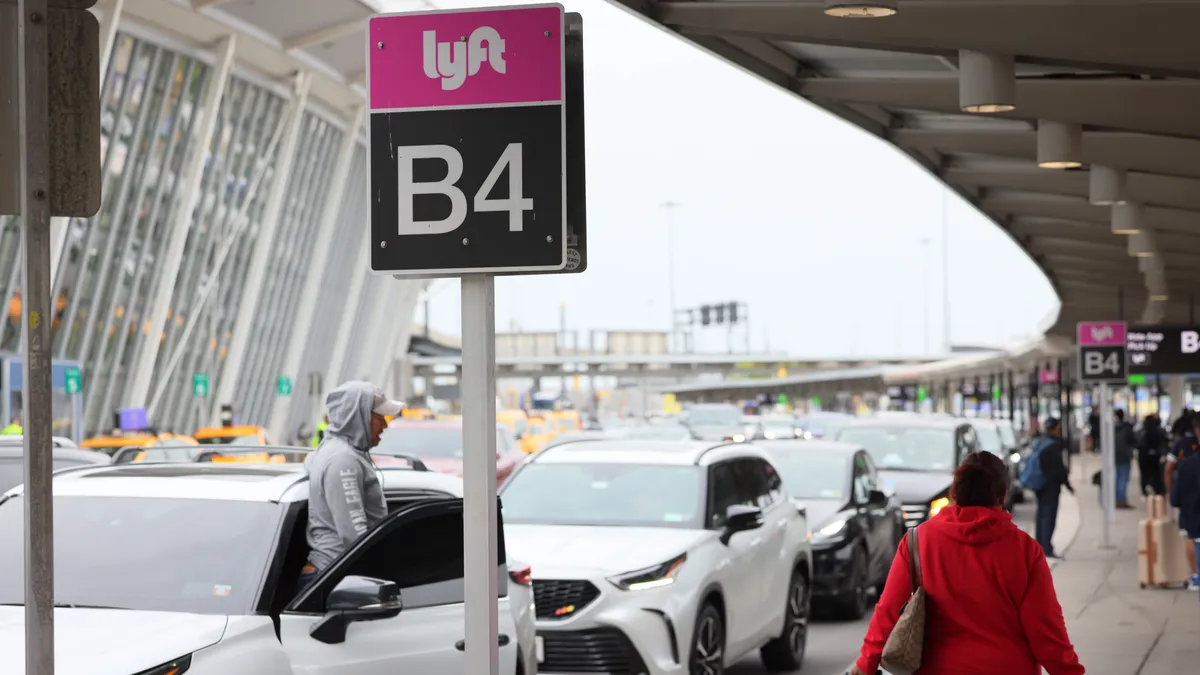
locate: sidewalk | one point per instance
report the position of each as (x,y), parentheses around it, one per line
(1118,628)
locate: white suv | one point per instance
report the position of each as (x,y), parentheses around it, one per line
(660,557)
(190,569)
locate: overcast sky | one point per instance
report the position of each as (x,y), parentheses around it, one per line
(814,223)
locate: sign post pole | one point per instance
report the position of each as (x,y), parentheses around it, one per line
(1103,360)
(480,547)
(1108,468)
(34,91)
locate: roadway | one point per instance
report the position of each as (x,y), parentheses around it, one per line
(833,645)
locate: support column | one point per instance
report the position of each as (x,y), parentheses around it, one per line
(1176,385)
(180,225)
(316,270)
(341,344)
(264,247)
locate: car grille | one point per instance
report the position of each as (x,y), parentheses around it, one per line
(600,650)
(558,599)
(914,514)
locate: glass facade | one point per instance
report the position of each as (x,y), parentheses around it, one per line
(109,271)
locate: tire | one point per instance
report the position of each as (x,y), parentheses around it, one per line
(706,655)
(855,606)
(786,652)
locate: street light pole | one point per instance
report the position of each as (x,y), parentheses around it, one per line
(925,290)
(946,268)
(668,207)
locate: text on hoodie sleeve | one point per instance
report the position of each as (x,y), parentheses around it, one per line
(343,483)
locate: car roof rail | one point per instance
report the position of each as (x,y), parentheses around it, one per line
(208,454)
(414,462)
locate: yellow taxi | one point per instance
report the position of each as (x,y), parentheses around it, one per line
(538,433)
(109,444)
(232,435)
(564,421)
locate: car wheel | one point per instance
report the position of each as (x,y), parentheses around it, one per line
(854,606)
(708,643)
(786,652)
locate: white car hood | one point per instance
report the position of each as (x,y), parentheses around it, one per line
(110,641)
(608,550)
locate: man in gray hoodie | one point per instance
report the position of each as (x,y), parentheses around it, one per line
(345,499)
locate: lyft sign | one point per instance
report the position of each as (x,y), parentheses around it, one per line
(1102,351)
(468,141)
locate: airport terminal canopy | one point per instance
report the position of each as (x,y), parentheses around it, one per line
(1071,124)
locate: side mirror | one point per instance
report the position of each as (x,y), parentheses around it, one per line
(740,518)
(356,599)
(877,497)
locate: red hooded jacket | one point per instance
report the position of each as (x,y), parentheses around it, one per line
(991,608)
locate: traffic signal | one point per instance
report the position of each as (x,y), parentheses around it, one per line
(720,313)
(733,312)
(705,317)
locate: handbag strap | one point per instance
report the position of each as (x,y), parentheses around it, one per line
(914,559)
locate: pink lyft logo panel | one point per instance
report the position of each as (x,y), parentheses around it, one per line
(464,59)
(1100,333)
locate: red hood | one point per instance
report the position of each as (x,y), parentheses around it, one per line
(973,525)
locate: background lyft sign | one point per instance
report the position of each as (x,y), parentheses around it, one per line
(1100,333)
(465,58)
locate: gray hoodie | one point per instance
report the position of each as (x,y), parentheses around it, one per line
(345,498)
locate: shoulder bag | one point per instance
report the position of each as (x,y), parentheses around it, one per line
(904,647)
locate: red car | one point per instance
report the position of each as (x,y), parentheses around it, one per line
(439,445)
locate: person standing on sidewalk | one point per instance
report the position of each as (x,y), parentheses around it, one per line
(1185,496)
(1186,445)
(1124,441)
(1152,443)
(1046,474)
(991,607)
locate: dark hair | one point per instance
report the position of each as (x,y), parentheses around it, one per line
(1119,414)
(981,480)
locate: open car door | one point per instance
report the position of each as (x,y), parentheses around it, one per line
(394,602)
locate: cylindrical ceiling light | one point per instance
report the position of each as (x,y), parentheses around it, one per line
(1159,297)
(1059,145)
(1147,263)
(1141,244)
(861,9)
(1126,218)
(1106,185)
(987,83)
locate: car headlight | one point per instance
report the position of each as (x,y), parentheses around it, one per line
(649,577)
(937,505)
(177,667)
(1015,458)
(831,530)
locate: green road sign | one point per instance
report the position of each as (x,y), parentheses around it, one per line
(283,385)
(781,399)
(922,393)
(995,392)
(1137,379)
(73,380)
(200,385)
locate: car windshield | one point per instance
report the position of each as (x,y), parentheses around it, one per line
(989,439)
(813,475)
(635,495)
(905,448)
(441,443)
(660,432)
(714,417)
(823,426)
(202,556)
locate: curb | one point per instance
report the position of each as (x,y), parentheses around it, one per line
(1073,501)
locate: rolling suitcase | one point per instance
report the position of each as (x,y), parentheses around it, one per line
(1162,556)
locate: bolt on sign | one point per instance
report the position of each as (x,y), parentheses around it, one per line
(468,141)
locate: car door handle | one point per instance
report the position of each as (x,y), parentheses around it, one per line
(461,645)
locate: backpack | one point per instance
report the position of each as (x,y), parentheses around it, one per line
(1032,477)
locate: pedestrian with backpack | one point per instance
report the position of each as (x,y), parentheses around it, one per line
(1046,474)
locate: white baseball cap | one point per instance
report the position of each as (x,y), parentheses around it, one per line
(386,406)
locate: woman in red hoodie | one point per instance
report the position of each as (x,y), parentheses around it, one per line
(990,602)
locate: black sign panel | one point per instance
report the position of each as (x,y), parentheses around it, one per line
(441,182)
(1102,364)
(1163,350)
